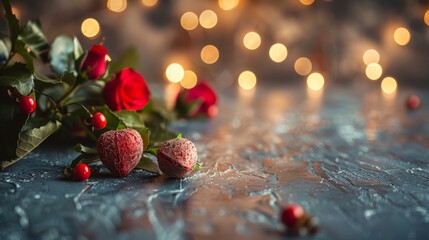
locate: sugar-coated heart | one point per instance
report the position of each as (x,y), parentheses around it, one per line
(120,151)
(177,157)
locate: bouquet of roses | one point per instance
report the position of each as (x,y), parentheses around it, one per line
(45,87)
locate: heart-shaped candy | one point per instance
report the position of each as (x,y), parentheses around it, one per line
(177,157)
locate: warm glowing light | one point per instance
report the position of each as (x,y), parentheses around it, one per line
(108,58)
(315,81)
(209,54)
(252,40)
(228,4)
(189,20)
(402,36)
(307,2)
(247,80)
(208,19)
(189,79)
(16,11)
(371,56)
(389,85)
(149,3)
(373,71)
(174,72)
(90,28)
(278,52)
(426,17)
(303,66)
(117,5)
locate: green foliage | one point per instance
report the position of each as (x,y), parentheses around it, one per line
(62,55)
(12,21)
(148,165)
(19,77)
(34,38)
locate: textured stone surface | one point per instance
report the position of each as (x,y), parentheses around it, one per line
(355,159)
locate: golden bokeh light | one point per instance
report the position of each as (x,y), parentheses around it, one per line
(402,36)
(228,4)
(252,40)
(90,28)
(117,5)
(426,17)
(247,80)
(389,85)
(303,66)
(278,52)
(209,54)
(189,21)
(208,19)
(371,56)
(307,2)
(149,3)
(174,72)
(373,71)
(189,79)
(315,81)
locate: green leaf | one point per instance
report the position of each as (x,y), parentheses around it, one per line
(4,52)
(43,78)
(179,136)
(12,22)
(77,48)
(62,54)
(22,50)
(148,165)
(113,121)
(128,58)
(145,133)
(68,79)
(197,167)
(85,149)
(131,119)
(34,38)
(19,77)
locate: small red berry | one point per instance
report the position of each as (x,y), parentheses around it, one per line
(413,102)
(81,172)
(99,121)
(27,104)
(290,214)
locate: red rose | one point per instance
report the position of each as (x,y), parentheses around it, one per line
(198,101)
(94,63)
(127,91)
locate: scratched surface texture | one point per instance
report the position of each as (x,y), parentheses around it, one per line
(354,158)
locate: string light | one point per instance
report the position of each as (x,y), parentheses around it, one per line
(373,71)
(149,3)
(307,2)
(303,66)
(117,5)
(208,19)
(209,54)
(247,80)
(426,17)
(228,4)
(189,21)
(278,52)
(315,81)
(252,40)
(371,56)
(389,85)
(174,72)
(90,28)
(402,36)
(189,79)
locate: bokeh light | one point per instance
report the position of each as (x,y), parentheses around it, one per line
(402,36)
(209,54)
(252,40)
(149,3)
(373,71)
(389,85)
(208,19)
(247,80)
(278,52)
(174,72)
(315,81)
(371,56)
(303,66)
(90,28)
(426,17)
(228,4)
(189,21)
(189,79)
(117,5)
(307,2)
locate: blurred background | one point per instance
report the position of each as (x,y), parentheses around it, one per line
(247,43)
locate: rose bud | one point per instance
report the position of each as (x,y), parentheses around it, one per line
(177,157)
(198,101)
(127,91)
(94,63)
(120,151)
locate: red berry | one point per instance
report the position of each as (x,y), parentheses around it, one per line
(27,104)
(81,172)
(413,102)
(99,121)
(291,214)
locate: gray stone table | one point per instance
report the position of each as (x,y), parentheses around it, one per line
(354,158)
